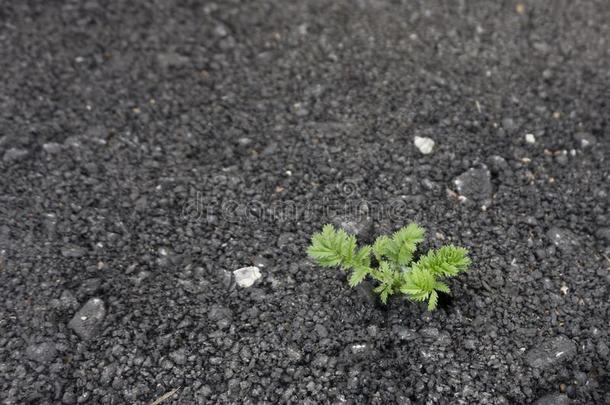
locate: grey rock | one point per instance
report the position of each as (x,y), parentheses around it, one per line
(509,124)
(581,378)
(321,330)
(90,286)
(430,333)
(68,300)
(563,239)
(359,348)
(205,391)
(88,319)
(365,293)
(359,225)
(247,276)
(320,361)
(498,164)
(73,251)
(14,154)
(294,354)
(52,148)
(444,339)
(218,312)
(584,139)
(475,185)
(178,356)
(551,352)
(603,350)
(553,399)
(42,352)
(107,374)
(227,280)
(285,239)
(140,277)
(68,397)
(405,334)
(172,60)
(562,158)
(221,30)
(300,109)
(603,234)
(261,261)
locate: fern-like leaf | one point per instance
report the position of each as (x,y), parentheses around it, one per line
(380,247)
(358,275)
(399,249)
(384,291)
(447,261)
(442,287)
(418,284)
(332,248)
(362,257)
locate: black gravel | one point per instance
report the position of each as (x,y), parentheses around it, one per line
(150,149)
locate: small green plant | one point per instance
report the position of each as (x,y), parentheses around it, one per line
(393,267)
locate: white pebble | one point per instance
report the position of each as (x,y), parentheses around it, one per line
(530,138)
(425,145)
(246,276)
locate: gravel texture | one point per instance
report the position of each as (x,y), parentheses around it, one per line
(149,149)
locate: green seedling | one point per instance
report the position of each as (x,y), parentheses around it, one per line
(393,267)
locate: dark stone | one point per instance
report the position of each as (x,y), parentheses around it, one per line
(87,321)
(603,234)
(366,294)
(553,399)
(359,225)
(475,185)
(14,154)
(584,140)
(551,352)
(42,352)
(73,251)
(564,239)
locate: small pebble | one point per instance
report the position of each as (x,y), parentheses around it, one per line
(425,145)
(246,276)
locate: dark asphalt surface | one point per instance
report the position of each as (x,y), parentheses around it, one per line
(148,149)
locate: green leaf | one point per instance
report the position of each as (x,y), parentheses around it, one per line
(363,257)
(380,247)
(333,248)
(433,301)
(405,242)
(447,261)
(440,286)
(384,296)
(418,284)
(399,249)
(379,288)
(358,275)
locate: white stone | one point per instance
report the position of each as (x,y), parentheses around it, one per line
(246,276)
(425,145)
(530,138)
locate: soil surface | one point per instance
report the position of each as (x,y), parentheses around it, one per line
(149,149)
